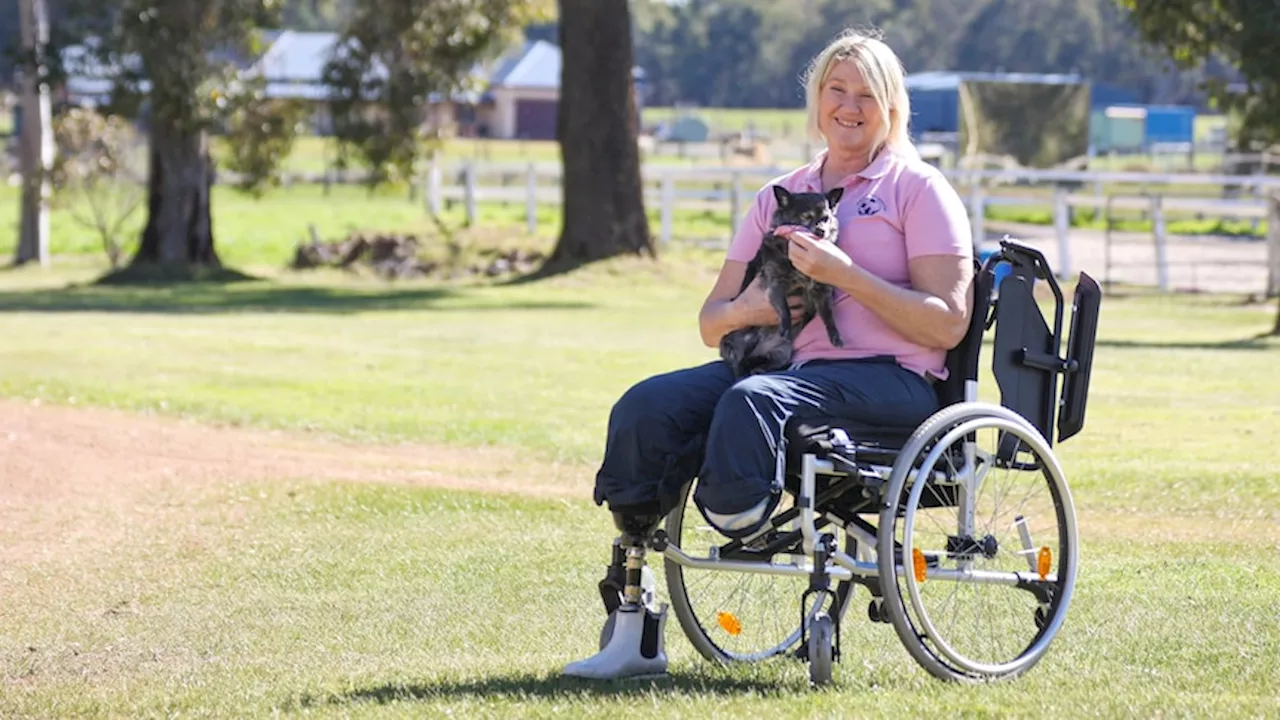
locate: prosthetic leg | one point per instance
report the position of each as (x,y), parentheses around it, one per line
(632,642)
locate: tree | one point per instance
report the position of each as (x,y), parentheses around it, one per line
(1243,33)
(395,57)
(597,126)
(37,135)
(169,58)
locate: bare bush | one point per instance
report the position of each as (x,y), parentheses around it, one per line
(99,172)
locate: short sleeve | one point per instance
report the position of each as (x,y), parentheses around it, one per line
(936,221)
(750,233)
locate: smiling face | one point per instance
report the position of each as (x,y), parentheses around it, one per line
(849,117)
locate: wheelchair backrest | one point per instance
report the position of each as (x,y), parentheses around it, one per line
(1025,360)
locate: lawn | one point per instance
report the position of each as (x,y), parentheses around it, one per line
(263,233)
(337,598)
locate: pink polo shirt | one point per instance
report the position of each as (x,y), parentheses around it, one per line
(896,209)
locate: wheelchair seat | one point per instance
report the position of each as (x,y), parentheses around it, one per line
(822,435)
(1025,365)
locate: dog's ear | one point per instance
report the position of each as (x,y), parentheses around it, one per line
(783,197)
(834,196)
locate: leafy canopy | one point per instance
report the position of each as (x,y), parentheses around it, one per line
(1242,33)
(396,57)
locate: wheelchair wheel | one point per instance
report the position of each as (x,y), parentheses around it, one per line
(821,651)
(732,616)
(977,544)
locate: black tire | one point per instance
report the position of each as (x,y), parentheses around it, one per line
(779,600)
(1019,614)
(821,651)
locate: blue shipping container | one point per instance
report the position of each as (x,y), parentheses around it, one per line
(1170,124)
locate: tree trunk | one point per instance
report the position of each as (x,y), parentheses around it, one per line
(597,127)
(36,155)
(179,229)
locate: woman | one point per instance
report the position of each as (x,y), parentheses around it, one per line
(902,268)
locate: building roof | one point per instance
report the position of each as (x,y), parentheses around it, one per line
(537,65)
(949,80)
(295,56)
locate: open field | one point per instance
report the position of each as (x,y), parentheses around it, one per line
(320,495)
(264,233)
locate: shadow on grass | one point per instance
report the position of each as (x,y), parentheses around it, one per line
(554,687)
(1263,341)
(258,296)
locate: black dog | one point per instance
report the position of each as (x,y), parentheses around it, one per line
(764,349)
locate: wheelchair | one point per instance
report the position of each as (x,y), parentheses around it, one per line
(962,529)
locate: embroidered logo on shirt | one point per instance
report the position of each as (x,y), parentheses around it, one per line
(870,205)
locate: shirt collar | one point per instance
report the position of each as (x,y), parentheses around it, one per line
(878,168)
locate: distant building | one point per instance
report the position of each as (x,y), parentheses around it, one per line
(517,95)
(935,95)
(525,92)
(293,68)
(1131,127)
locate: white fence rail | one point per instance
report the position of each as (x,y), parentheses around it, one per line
(732,188)
(1164,260)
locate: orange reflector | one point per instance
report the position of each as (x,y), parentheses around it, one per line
(1044,561)
(730,623)
(917,559)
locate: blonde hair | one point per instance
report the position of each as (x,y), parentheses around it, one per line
(885,78)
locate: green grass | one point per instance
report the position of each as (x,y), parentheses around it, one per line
(777,123)
(1130,221)
(338,599)
(264,232)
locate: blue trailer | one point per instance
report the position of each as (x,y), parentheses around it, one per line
(1170,124)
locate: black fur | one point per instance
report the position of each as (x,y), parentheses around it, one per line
(765,349)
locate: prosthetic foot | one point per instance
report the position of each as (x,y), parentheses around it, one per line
(632,645)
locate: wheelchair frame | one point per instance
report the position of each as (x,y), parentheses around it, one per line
(862,479)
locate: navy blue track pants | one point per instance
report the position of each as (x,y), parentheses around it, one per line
(698,422)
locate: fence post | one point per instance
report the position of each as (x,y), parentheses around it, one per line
(1062,224)
(469,191)
(1273,244)
(433,186)
(1106,244)
(978,214)
(1158,230)
(1261,173)
(735,202)
(668,206)
(531,199)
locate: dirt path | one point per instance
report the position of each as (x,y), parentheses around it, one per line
(81,471)
(76,480)
(1200,263)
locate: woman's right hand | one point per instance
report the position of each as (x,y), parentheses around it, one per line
(753,308)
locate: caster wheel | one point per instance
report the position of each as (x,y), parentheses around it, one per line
(876,612)
(821,645)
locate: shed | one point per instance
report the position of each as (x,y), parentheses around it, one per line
(1170,124)
(935,95)
(1038,120)
(525,89)
(1118,129)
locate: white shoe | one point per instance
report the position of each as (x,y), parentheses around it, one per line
(634,649)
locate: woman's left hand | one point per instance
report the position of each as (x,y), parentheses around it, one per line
(821,260)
